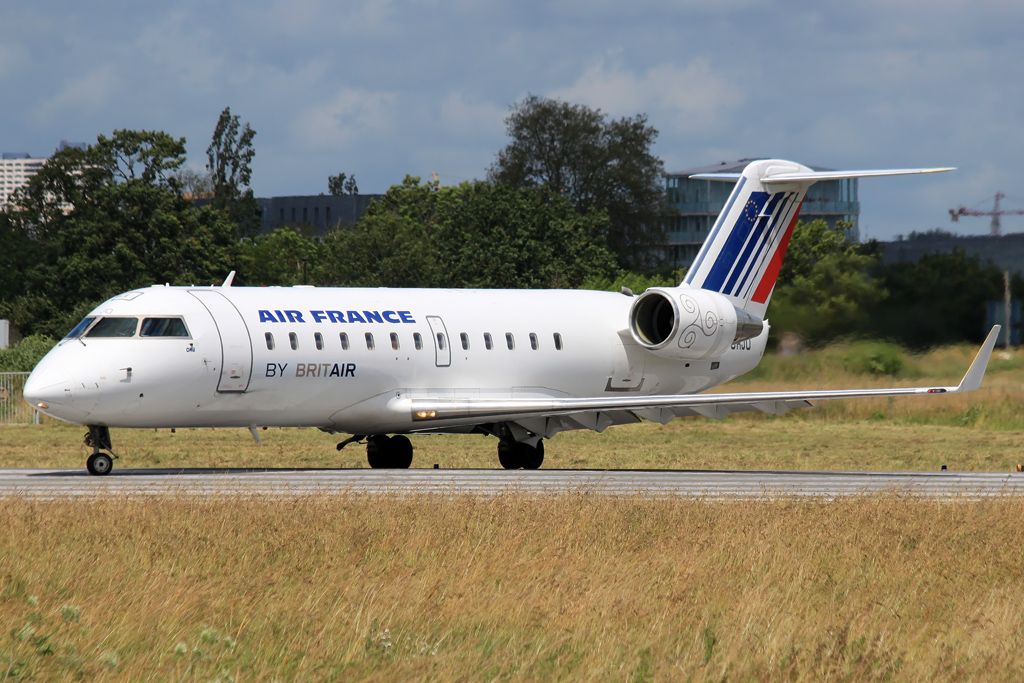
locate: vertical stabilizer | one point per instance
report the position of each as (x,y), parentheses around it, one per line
(742,256)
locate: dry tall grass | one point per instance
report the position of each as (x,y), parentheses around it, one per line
(511,588)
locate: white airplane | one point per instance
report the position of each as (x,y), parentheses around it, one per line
(378,364)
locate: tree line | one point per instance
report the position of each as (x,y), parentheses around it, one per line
(575,199)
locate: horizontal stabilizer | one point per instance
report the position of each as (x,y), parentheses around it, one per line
(815,176)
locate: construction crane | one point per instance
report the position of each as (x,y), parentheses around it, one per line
(996,212)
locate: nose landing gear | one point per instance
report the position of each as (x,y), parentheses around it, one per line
(99,463)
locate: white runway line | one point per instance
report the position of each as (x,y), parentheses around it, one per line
(57,484)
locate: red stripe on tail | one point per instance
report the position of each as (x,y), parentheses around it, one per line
(771,274)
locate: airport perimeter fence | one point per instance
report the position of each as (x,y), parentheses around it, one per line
(13,409)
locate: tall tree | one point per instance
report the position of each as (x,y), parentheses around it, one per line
(471,235)
(229,162)
(596,163)
(342,183)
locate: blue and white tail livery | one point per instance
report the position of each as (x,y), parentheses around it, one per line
(742,256)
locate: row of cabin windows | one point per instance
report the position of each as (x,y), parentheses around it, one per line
(417,341)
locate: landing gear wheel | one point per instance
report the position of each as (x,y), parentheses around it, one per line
(532,456)
(514,455)
(400,451)
(377,448)
(508,455)
(99,464)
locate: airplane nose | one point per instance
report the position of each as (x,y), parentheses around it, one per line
(45,388)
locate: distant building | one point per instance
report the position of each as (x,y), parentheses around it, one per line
(1006,252)
(16,169)
(322,212)
(698,202)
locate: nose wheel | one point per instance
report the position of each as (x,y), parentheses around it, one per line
(99,463)
(389,452)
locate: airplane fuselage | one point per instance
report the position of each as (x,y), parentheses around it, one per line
(336,358)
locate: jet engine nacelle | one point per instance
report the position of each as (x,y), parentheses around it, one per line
(689,324)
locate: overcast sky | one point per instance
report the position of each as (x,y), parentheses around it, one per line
(384,89)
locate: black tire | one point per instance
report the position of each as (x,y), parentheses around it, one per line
(400,451)
(531,456)
(378,448)
(99,464)
(508,455)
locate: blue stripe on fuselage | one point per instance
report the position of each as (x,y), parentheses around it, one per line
(734,242)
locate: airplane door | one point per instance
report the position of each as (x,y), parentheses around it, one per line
(235,344)
(442,349)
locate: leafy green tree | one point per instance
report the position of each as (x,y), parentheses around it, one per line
(596,163)
(283,257)
(825,288)
(24,355)
(472,235)
(939,299)
(229,163)
(108,218)
(342,184)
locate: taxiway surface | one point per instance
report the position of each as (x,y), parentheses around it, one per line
(687,483)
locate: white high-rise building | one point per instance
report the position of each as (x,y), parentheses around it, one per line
(15,171)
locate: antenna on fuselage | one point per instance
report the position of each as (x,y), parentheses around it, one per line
(229,279)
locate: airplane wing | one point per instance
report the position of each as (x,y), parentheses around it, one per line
(535,414)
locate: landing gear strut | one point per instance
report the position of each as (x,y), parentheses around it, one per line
(99,463)
(514,455)
(389,452)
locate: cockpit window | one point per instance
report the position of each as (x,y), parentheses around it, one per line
(81,327)
(114,327)
(163,327)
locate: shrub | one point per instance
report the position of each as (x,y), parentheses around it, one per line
(874,358)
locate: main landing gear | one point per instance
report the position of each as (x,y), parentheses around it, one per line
(389,452)
(99,463)
(514,455)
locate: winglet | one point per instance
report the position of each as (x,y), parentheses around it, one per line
(975,373)
(229,279)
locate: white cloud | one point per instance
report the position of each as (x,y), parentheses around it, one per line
(689,98)
(348,116)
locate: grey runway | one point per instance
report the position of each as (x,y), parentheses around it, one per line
(59,484)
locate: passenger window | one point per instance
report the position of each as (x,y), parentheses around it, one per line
(533,341)
(318,339)
(163,327)
(488,343)
(394,341)
(369,341)
(78,329)
(114,327)
(440,341)
(510,340)
(465,341)
(344,341)
(417,340)
(294,340)
(558,341)
(270,341)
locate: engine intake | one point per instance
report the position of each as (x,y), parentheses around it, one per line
(689,324)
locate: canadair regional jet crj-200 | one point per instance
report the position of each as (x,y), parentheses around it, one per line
(379,364)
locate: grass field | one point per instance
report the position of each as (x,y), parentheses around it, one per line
(511,588)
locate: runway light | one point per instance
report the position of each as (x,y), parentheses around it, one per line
(42,405)
(425,414)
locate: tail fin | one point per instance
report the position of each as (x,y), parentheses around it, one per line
(743,253)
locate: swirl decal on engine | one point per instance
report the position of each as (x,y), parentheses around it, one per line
(705,323)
